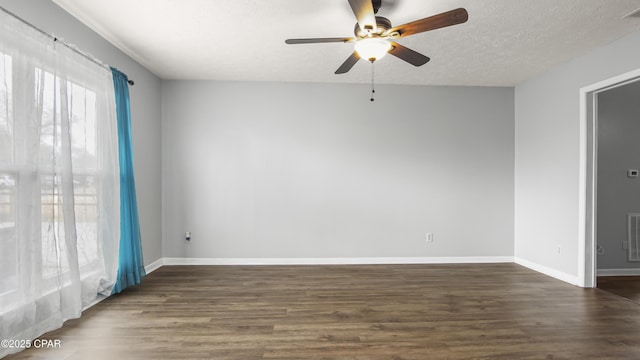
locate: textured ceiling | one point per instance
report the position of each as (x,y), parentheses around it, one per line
(504,42)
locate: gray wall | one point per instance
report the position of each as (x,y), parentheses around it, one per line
(547,156)
(618,150)
(145,108)
(275,170)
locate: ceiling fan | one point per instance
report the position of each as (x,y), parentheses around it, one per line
(374,35)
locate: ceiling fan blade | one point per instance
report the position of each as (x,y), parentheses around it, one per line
(363,10)
(412,57)
(318,40)
(348,64)
(453,17)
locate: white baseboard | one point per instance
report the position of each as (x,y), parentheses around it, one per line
(571,279)
(618,272)
(154,266)
(337,261)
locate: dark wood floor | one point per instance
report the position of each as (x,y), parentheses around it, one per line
(486,311)
(625,286)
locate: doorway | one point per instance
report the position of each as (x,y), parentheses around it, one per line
(588,247)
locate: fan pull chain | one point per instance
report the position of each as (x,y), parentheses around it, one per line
(373,91)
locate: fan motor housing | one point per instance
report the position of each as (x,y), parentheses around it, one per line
(382,26)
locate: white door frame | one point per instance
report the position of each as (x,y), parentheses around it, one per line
(588,169)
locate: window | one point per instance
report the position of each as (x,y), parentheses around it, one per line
(81,110)
(80,113)
(59,182)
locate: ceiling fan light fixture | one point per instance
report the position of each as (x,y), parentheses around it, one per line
(373,48)
(377,36)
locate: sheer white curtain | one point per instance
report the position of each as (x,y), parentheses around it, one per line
(59,185)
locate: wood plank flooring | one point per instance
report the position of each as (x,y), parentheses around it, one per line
(479,311)
(625,286)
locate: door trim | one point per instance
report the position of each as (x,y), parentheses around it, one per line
(588,169)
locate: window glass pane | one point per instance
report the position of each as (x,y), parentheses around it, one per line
(83,128)
(45,89)
(6,122)
(9,253)
(8,240)
(86,210)
(54,252)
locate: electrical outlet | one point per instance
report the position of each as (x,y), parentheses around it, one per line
(429,237)
(558,249)
(187,236)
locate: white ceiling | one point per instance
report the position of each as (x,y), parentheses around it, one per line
(504,42)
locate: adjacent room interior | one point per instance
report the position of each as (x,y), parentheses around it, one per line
(293,204)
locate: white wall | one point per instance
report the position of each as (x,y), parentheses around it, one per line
(275,170)
(618,150)
(547,154)
(145,108)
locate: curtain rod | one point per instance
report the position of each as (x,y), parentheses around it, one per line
(55,39)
